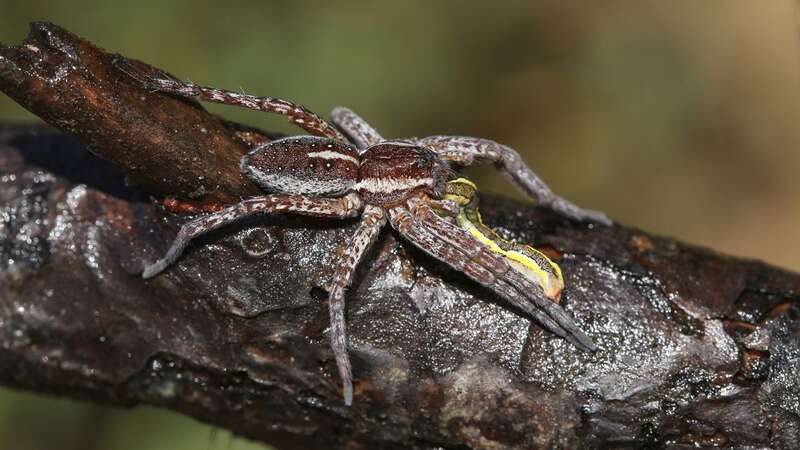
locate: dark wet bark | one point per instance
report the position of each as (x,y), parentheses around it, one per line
(697,349)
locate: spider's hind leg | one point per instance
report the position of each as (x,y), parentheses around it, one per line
(357,129)
(465,151)
(297,114)
(342,207)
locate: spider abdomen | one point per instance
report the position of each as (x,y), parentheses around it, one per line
(392,172)
(303,165)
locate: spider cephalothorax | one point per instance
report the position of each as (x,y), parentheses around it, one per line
(392,172)
(404,183)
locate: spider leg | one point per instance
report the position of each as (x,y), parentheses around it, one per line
(447,208)
(459,238)
(465,151)
(297,114)
(373,220)
(360,132)
(343,207)
(452,246)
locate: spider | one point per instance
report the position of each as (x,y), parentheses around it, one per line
(346,169)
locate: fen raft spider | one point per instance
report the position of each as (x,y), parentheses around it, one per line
(346,169)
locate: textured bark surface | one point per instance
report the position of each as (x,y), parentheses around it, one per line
(76,87)
(696,349)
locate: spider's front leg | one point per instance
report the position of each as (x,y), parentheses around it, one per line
(465,151)
(451,245)
(297,114)
(532,263)
(343,207)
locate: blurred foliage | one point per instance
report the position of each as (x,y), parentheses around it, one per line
(677,117)
(35,422)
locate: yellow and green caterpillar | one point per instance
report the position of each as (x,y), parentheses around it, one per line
(524,258)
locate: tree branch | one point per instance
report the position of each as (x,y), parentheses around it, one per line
(171,145)
(697,349)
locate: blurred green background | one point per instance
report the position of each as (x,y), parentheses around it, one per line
(677,117)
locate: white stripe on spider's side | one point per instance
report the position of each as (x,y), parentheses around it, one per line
(392,184)
(329,154)
(288,184)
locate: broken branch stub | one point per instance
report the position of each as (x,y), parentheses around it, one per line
(171,145)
